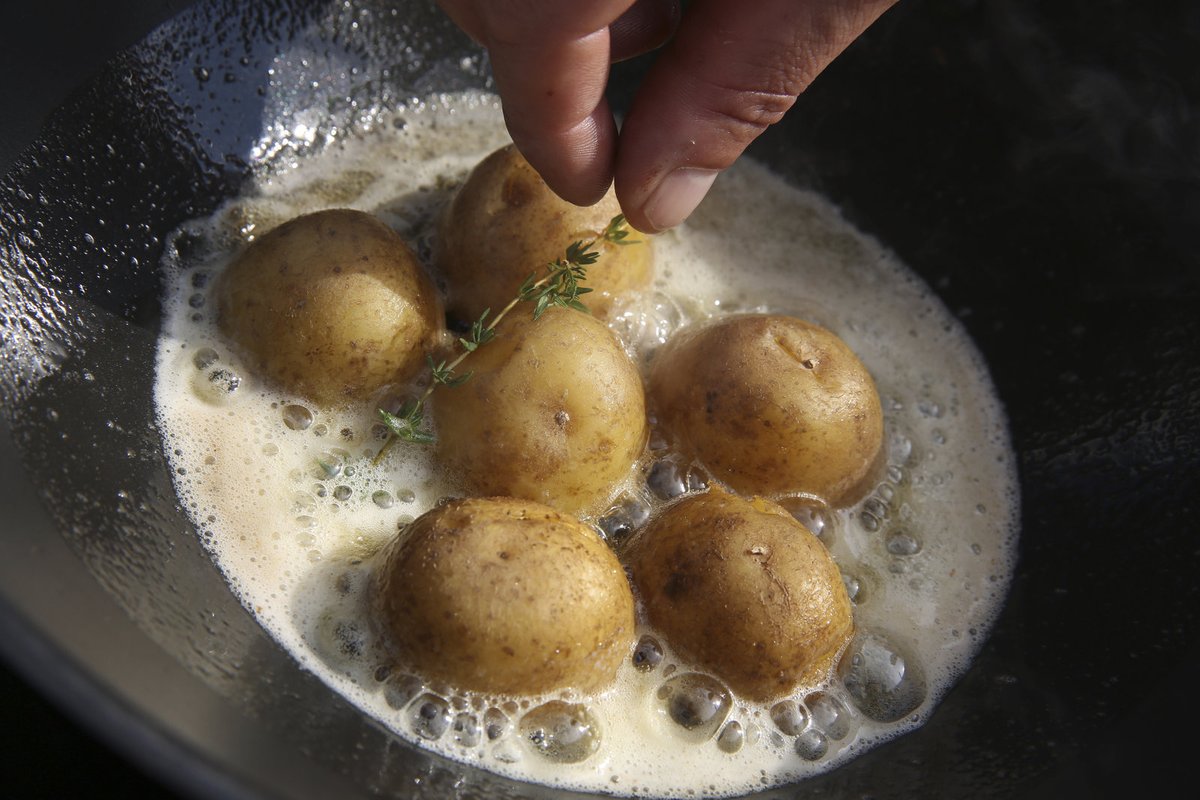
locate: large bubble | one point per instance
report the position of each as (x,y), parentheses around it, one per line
(884,684)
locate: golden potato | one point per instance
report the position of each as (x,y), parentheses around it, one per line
(505,223)
(741,588)
(772,405)
(331,305)
(553,412)
(505,596)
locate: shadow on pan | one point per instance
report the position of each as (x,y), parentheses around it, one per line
(1039,167)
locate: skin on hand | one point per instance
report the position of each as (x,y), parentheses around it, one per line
(732,69)
(550,61)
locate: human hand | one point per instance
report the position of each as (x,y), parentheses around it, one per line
(732,69)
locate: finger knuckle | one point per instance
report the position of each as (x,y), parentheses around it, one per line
(754,109)
(754,105)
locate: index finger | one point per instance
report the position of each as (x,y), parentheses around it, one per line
(550,61)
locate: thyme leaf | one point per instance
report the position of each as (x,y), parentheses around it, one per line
(443,373)
(407,425)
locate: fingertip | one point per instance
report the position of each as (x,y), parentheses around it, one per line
(677,195)
(577,164)
(668,204)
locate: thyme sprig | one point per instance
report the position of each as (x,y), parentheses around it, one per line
(561,286)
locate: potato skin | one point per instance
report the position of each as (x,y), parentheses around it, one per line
(505,223)
(331,305)
(772,405)
(505,596)
(554,412)
(741,588)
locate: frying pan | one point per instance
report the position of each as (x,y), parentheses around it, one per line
(1038,164)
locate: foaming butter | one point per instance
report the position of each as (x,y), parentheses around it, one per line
(288,502)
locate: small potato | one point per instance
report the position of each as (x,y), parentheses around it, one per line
(331,305)
(742,589)
(553,412)
(772,405)
(505,223)
(505,596)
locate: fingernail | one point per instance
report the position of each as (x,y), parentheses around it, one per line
(678,195)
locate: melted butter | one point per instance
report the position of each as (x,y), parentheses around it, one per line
(292,509)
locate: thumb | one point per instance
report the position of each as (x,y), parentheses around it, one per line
(733,69)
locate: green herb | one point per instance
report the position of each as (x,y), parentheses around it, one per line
(407,424)
(444,374)
(481,333)
(560,286)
